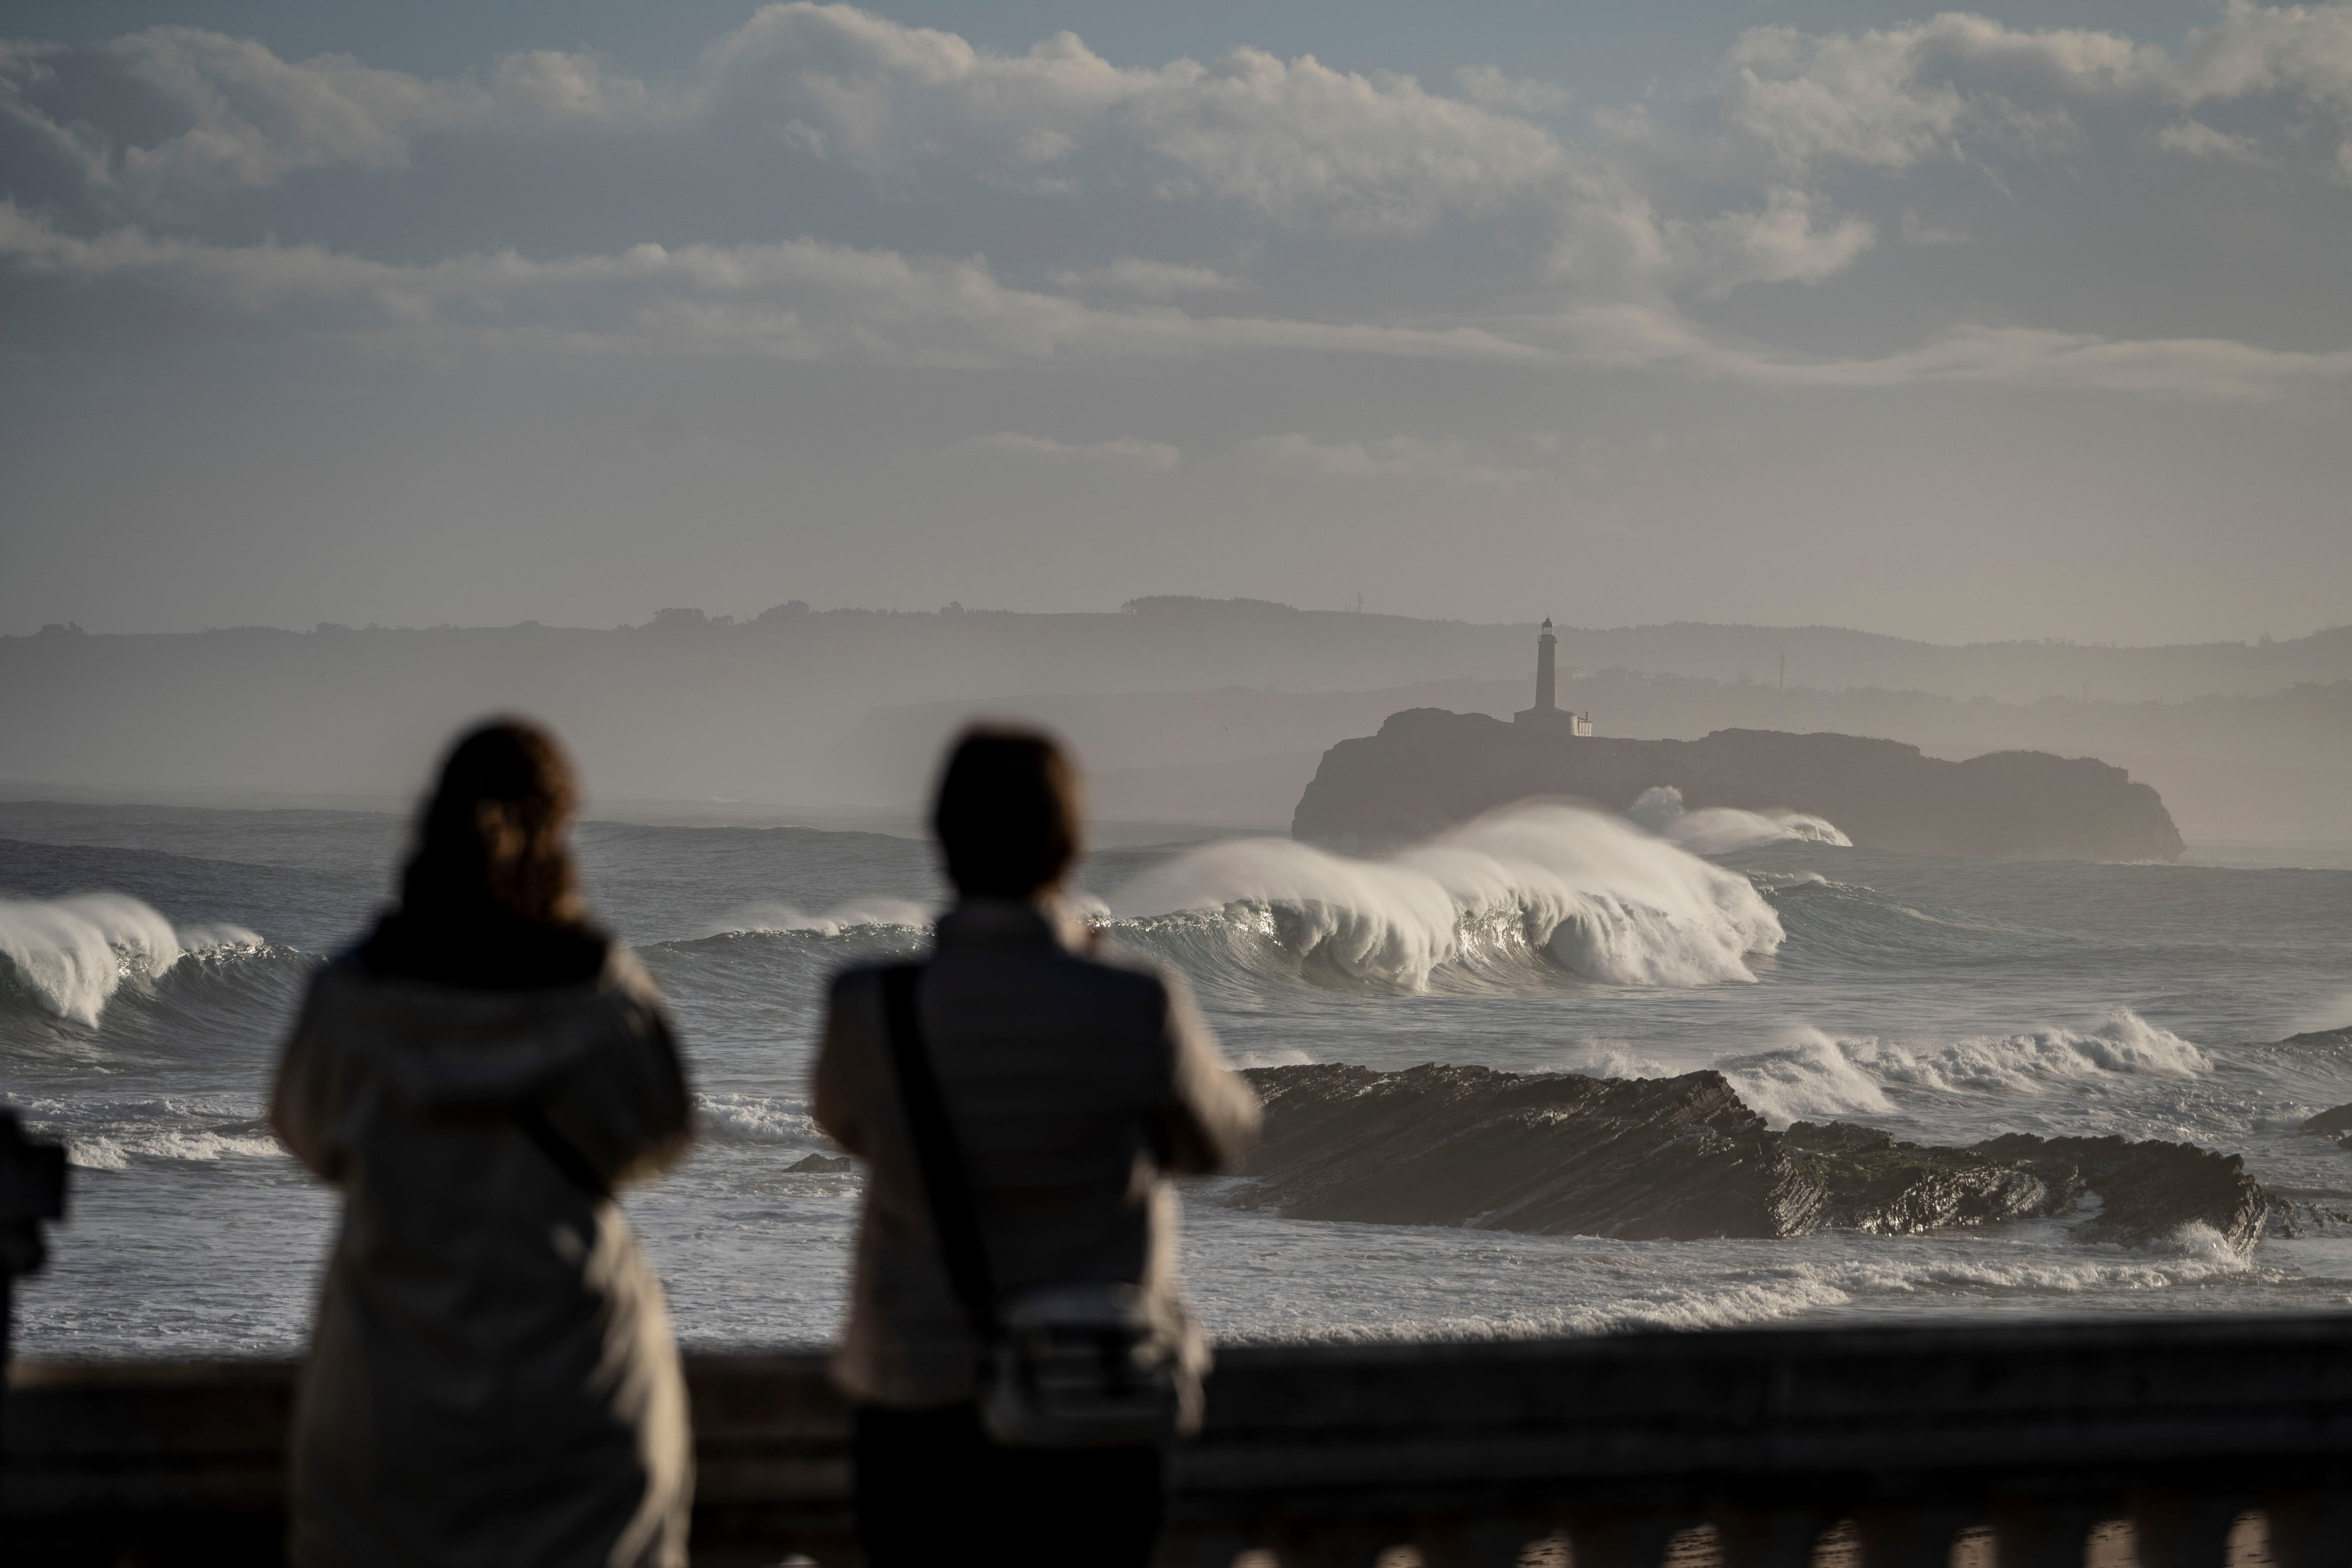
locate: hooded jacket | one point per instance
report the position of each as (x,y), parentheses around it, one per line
(492,1378)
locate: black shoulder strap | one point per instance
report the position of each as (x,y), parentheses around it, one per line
(560,1152)
(945,1184)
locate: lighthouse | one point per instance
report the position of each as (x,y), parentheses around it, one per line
(1547,713)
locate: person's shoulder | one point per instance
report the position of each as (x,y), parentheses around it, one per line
(1124,971)
(343,977)
(859,980)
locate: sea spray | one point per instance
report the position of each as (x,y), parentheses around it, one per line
(1726,830)
(70,954)
(1602,898)
(851,916)
(1812,1074)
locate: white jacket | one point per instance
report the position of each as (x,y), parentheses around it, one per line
(492,1378)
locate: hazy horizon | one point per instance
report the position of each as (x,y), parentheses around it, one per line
(1184,710)
(740,616)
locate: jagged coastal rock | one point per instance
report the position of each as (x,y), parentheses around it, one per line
(2336,1123)
(1684,1159)
(1428,770)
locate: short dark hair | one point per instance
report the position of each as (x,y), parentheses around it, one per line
(1007,812)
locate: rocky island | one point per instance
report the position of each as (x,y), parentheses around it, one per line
(1429,768)
(1684,1159)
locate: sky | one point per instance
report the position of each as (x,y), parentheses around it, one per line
(2027,322)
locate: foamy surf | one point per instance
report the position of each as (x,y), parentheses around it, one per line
(1727,830)
(71,955)
(1404,1283)
(1817,1076)
(1591,892)
(759,918)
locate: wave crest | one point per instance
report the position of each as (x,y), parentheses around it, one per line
(761,918)
(1726,830)
(1587,890)
(71,955)
(1820,1075)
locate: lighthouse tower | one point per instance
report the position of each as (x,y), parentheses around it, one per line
(1547,713)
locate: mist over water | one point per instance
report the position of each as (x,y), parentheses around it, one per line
(1945,999)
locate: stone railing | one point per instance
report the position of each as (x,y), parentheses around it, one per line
(2173,1440)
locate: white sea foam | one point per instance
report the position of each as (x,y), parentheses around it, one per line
(1815,1075)
(114,1151)
(72,954)
(1607,900)
(849,917)
(758,1119)
(1642,1286)
(1724,830)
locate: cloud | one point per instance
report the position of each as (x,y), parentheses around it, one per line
(1948,89)
(1299,144)
(1488,88)
(1447,461)
(251,118)
(2201,370)
(257,119)
(1787,168)
(1140,279)
(2194,138)
(1124,451)
(1792,238)
(800,298)
(1296,142)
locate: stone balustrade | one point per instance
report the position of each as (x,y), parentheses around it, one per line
(2007,1442)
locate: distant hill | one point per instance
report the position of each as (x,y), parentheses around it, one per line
(847,707)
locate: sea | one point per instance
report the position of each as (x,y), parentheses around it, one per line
(151,958)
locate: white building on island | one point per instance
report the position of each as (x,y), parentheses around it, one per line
(1548,715)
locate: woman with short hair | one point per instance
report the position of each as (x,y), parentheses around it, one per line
(491,1379)
(1064,1083)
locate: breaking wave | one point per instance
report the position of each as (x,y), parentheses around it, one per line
(1816,1075)
(1531,888)
(1726,830)
(71,955)
(762,918)
(766,1119)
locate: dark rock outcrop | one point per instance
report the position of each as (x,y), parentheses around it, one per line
(2336,1123)
(1684,1159)
(1870,1182)
(1428,770)
(1672,1158)
(2149,1188)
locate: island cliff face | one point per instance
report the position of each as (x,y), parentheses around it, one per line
(1428,770)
